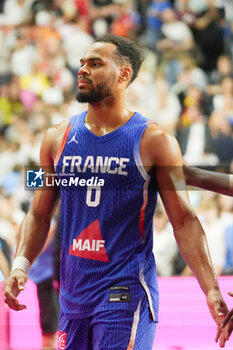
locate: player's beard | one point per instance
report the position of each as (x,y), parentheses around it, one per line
(101,91)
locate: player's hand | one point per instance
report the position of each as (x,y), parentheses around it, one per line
(218,310)
(228,320)
(12,287)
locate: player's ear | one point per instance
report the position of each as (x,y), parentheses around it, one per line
(125,74)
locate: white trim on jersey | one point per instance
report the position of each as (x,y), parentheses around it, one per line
(134,327)
(146,288)
(140,166)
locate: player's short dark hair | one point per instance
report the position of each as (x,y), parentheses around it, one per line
(126,50)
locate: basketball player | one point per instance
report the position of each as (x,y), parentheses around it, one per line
(117,161)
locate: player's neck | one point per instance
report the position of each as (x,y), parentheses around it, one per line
(107,116)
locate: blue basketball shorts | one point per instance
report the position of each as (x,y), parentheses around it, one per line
(109,330)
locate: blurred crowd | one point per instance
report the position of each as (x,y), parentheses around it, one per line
(185,84)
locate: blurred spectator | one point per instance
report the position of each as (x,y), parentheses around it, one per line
(209,36)
(164,106)
(225,205)
(75,40)
(209,217)
(176,45)
(8,157)
(191,75)
(228,7)
(10,103)
(34,83)
(198,6)
(16,12)
(185,12)
(126,23)
(74,30)
(224,69)
(23,55)
(102,13)
(225,22)
(140,95)
(12,181)
(154,22)
(225,90)
(10,217)
(141,8)
(42,5)
(83,7)
(221,124)
(193,134)
(7,43)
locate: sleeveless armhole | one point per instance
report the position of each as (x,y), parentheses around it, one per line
(146,177)
(63,142)
(137,156)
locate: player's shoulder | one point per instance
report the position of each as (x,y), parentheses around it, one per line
(53,138)
(160,145)
(155,134)
(55,131)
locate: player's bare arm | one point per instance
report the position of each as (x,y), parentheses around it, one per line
(35,226)
(161,154)
(209,180)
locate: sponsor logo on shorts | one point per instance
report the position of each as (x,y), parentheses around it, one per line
(62,340)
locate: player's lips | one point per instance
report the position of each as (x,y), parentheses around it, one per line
(83,82)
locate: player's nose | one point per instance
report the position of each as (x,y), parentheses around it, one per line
(83,71)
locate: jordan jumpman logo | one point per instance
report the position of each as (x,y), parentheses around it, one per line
(73,139)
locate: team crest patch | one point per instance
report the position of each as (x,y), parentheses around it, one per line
(62,340)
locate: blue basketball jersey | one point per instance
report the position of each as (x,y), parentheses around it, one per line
(107,206)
